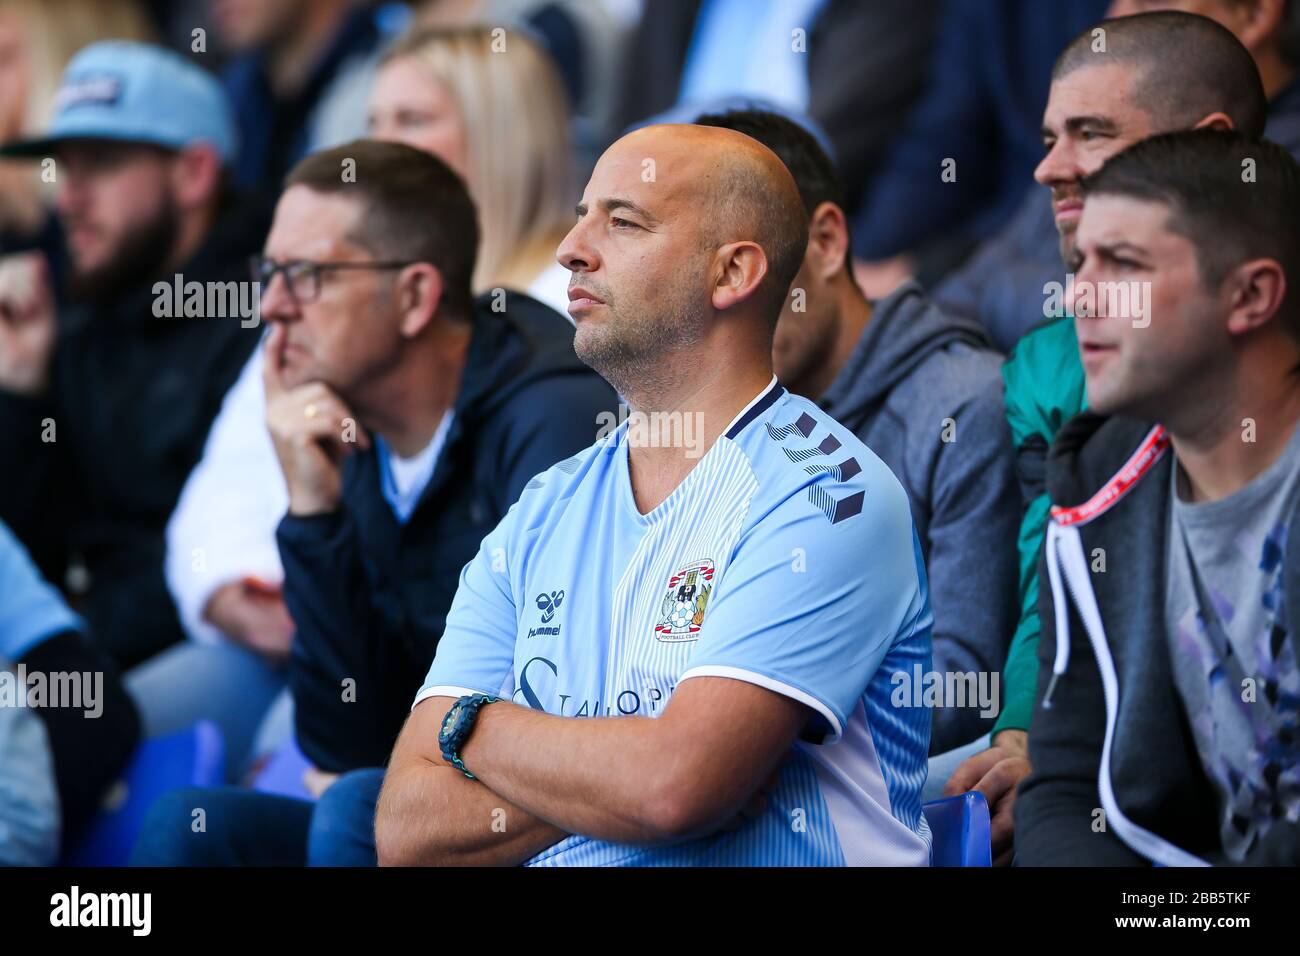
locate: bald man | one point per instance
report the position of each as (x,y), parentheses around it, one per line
(728,571)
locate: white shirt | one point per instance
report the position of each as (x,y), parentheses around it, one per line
(403,480)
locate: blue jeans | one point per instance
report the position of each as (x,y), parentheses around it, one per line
(227,684)
(245,828)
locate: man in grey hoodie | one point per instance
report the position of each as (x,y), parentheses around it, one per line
(922,389)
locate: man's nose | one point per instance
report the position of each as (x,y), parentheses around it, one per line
(575,252)
(277,302)
(70,197)
(1058,166)
(1082,301)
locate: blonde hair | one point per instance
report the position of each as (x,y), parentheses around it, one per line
(56,29)
(516,121)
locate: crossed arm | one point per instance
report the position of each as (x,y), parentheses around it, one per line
(623,779)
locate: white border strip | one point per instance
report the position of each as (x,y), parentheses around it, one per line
(769,683)
(444,690)
(757,398)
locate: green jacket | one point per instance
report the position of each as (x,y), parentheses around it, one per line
(1044,388)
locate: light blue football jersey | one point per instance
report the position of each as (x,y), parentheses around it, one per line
(786,558)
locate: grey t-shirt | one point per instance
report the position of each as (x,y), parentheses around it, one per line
(1225,622)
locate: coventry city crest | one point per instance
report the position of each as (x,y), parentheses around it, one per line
(682,611)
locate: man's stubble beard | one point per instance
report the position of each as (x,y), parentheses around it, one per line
(640,358)
(141,255)
(1065,246)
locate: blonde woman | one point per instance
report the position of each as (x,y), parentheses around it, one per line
(493,108)
(499,119)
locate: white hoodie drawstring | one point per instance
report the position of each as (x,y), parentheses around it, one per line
(1062,613)
(1068,566)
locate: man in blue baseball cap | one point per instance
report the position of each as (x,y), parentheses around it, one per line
(107,387)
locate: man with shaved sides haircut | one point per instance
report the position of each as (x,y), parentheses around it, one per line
(727,571)
(1177,61)
(1096,109)
(1168,687)
(909,380)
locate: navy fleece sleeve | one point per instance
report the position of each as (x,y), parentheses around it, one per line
(547,422)
(338,635)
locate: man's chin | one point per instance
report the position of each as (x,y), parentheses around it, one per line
(1106,398)
(92,284)
(587,343)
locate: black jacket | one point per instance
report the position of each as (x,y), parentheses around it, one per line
(370,596)
(88,753)
(1162,802)
(131,399)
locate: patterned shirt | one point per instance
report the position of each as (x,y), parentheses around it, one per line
(786,558)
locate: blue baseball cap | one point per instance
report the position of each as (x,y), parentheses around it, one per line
(136,93)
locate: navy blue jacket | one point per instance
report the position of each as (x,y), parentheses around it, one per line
(273,133)
(370,596)
(983,107)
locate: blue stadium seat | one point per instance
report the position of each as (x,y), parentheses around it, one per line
(189,758)
(959,830)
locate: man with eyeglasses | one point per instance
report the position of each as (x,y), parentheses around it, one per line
(407,418)
(105,400)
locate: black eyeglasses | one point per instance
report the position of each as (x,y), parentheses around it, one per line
(303,277)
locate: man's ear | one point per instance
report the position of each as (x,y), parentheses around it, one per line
(196,176)
(742,267)
(828,241)
(1218,121)
(419,294)
(1255,290)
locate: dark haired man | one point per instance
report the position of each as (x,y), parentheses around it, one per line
(1174,548)
(1100,103)
(1188,68)
(105,401)
(407,418)
(921,389)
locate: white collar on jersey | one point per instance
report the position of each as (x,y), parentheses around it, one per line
(760,401)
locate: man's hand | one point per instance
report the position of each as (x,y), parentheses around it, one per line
(254,616)
(308,425)
(687,773)
(996,773)
(431,814)
(27,323)
(317,781)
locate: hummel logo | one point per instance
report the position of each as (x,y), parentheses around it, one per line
(548,604)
